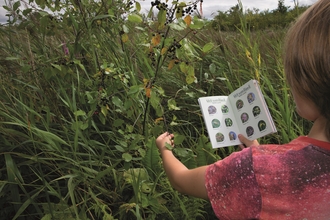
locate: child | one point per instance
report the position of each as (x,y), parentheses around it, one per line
(289,181)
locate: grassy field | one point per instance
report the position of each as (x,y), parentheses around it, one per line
(83,98)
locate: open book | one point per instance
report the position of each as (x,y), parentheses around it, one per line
(242,112)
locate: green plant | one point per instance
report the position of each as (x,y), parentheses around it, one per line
(85,91)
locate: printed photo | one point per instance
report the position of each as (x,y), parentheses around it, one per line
(232,136)
(249,131)
(251,97)
(244,117)
(212,109)
(215,123)
(239,104)
(262,125)
(219,137)
(228,122)
(224,109)
(256,111)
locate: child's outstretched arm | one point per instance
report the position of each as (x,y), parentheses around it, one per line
(187,181)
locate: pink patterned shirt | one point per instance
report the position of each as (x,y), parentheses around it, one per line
(290,181)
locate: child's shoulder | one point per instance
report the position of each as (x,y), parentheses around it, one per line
(295,145)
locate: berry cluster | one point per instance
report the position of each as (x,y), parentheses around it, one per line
(190,9)
(104,101)
(171,50)
(159,5)
(163,6)
(152,57)
(187,10)
(183,10)
(130,3)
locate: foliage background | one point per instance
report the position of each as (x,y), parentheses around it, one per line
(86,87)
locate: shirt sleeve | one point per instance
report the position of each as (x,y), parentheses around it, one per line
(232,187)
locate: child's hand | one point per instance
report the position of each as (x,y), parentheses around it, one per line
(246,142)
(163,139)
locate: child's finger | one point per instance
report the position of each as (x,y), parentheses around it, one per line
(241,146)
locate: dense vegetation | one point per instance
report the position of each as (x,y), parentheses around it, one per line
(255,19)
(87,87)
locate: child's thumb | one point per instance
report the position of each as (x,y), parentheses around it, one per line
(247,142)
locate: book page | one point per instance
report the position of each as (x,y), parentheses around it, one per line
(251,111)
(220,121)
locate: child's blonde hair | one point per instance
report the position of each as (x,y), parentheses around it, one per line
(307,57)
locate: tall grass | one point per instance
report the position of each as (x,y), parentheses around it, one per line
(80,109)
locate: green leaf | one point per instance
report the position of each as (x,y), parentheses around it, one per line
(191,94)
(120,148)
(191,71)
(168,146)
(50,138)
(142,152)
(128,104)
(151,159)
(125,29)
(204,151)
(190,79)
(118,122)
(182,4)
(161,18)
(145,188)
(71,189)
(172,105)
(127,157)
(212,68)
(173,123)
(179,11)
(99,17)
(84,126)
(12,58)
(178,139)
(47,217)
(27,11)
(135,18)
(110,12)
(154,101)
(221,78)
(181,152)
(130,128)
(6,8)
(207,47)
(77,62)
(138,6)
(104,110)
(117,101)
(16,5)
(134,89)
(102,118)
(177,26)
(135,175)
(26,204)
(79,113)
(197,24)
(75,125)
(183,67)
(144,201)
(57,66)
(12,175)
